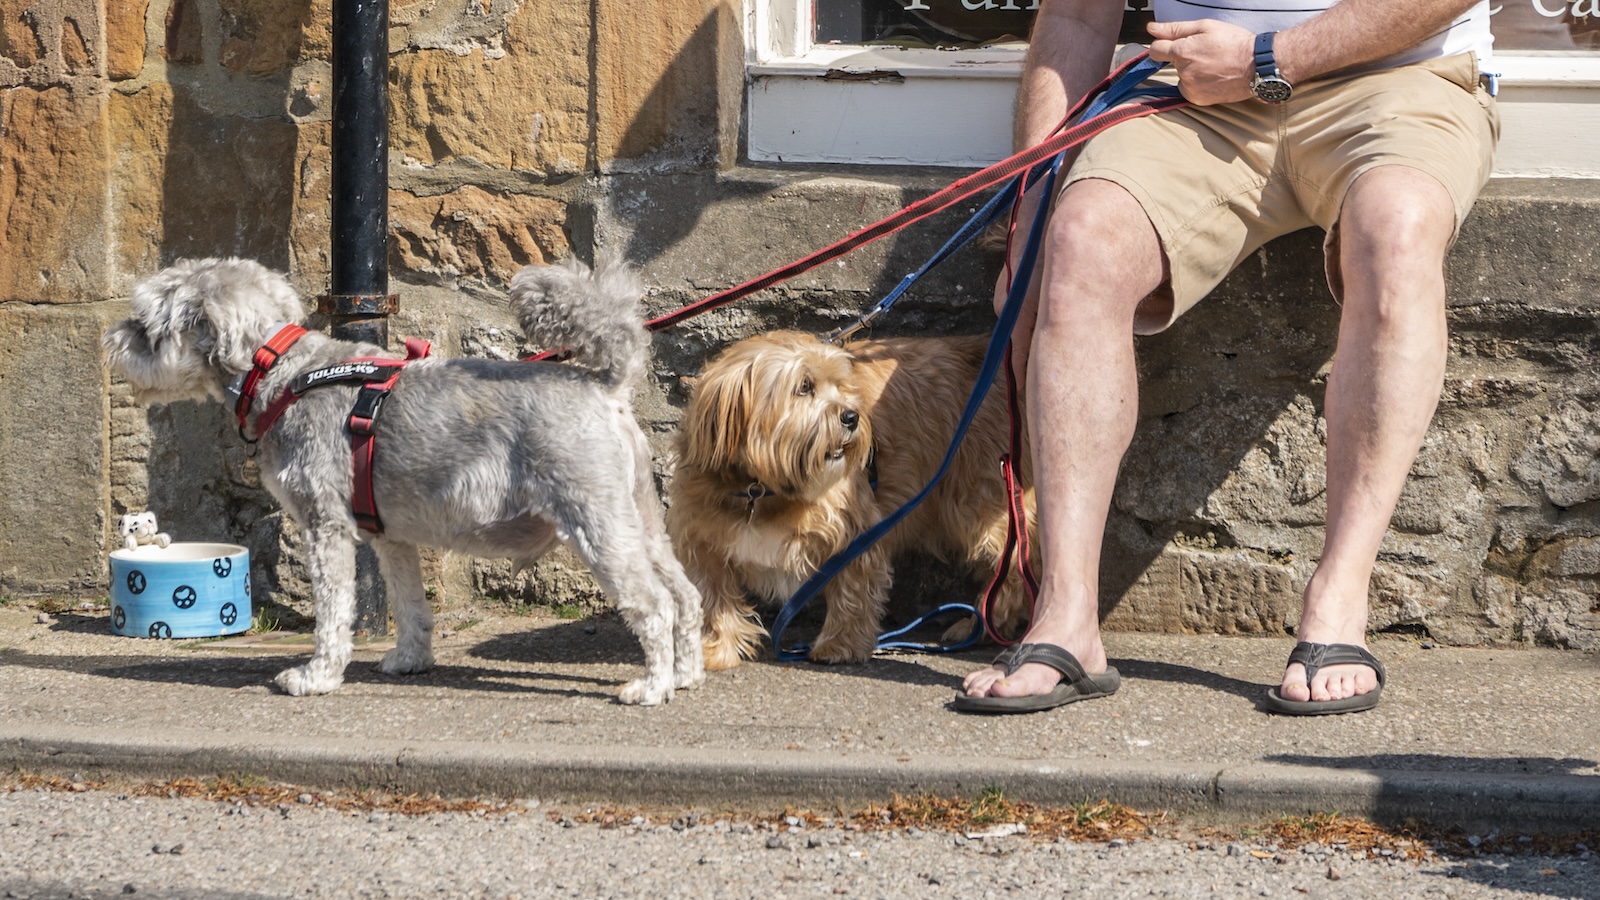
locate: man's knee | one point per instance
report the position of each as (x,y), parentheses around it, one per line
(1101,248)
(1397,210)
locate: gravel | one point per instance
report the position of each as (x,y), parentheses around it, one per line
(101,843)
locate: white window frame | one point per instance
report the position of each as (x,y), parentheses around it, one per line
(811,103)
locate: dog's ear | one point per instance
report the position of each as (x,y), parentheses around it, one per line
(240,301)
(715,425)
(130,353)
(124,340)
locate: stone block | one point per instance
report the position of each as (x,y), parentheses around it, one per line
(141,125)
(1560,461)
(655,102)
(76,54)
(263,37)
(702,232)
(185,32)
(53,190)
(310,223)
(125,38)
(228,185)
(20,38)
(473,234)
(1564,614)
(519,99)
(52,437)
(190,183)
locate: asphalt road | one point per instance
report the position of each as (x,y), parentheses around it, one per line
(111,842)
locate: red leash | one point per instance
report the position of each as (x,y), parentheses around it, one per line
(928,206)
(1063,138)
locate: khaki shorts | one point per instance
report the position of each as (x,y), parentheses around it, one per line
(1218,182)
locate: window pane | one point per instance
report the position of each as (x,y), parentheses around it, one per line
(1540,26)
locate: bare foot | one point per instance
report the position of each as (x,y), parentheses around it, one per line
(1331,682)
(1034,679)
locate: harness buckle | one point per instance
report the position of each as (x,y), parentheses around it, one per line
(365,411)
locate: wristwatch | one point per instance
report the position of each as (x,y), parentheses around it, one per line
(1269,85)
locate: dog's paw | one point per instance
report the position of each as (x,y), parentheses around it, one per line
(401,661)
(720,655)
(836,652)
(301,682)
(689,678)
(960,631)
(644,692)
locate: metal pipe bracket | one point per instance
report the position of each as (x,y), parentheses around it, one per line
(363,305)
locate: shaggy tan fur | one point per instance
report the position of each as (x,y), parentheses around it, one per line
(772,481)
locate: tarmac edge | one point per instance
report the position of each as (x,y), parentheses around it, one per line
(739,779)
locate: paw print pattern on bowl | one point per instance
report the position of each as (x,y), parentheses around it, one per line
(183,590)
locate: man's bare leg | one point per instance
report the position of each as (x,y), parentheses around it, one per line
(1388,369)
(1101,258)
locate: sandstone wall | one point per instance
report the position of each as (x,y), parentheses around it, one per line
(136,132)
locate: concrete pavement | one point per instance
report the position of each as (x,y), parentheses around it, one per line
(523,706)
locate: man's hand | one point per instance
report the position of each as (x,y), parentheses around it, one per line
(1215,61)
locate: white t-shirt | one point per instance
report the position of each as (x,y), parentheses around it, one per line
(1470,30)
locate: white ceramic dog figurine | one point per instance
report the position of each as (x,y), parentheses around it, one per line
(140,528)
(487,457)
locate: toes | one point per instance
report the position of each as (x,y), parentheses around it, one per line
(1294,685)
(978,683)
(1331,683)
(1028,681)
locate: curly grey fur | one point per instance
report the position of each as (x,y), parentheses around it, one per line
(594,314)
(486,457)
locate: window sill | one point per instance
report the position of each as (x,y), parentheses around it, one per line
(891,106)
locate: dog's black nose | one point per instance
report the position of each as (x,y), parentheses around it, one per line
(849,418)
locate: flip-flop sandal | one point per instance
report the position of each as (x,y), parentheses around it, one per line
(1075,685)
(1314,657)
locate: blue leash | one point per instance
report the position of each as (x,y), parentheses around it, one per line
(1126,87)
(1121,89)
(986,373)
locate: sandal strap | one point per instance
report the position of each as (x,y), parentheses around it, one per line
(1315,656)
(1003,660)
(1049,655)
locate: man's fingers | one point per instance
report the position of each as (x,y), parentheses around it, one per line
(1161,51)
(1171,31)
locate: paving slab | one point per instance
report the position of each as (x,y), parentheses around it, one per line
(521,705)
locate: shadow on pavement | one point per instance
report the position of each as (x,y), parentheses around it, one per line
(1435,762)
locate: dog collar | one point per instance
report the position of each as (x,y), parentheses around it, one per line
(757,491)
(266,356)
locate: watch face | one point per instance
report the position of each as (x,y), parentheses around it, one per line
(1271,89)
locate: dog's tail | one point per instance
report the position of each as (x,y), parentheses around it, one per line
(593,313)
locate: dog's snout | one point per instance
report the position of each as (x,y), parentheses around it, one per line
(849,419)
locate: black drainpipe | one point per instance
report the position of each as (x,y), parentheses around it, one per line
(358,302)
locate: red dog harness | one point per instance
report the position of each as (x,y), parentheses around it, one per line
(377,375)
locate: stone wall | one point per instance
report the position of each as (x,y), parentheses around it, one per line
(135,132)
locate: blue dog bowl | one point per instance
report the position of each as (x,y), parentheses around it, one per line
(180,591)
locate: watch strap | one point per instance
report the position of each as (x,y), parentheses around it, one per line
(1266,62)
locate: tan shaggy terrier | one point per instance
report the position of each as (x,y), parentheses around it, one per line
(777,454)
